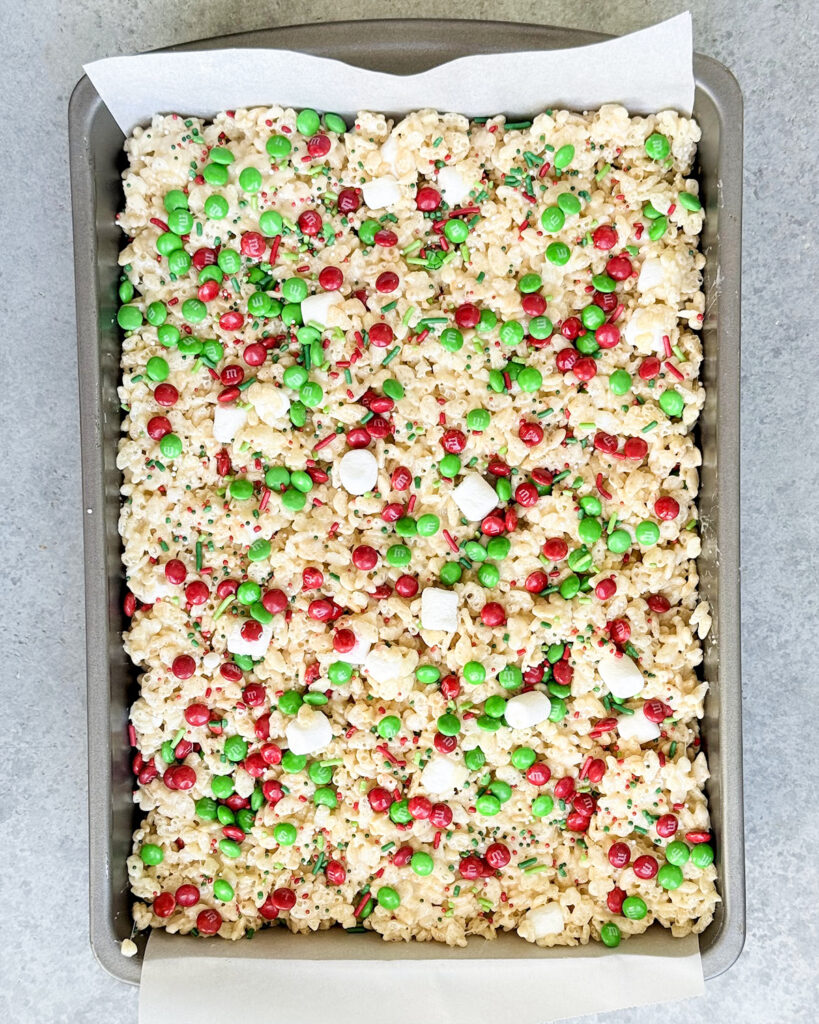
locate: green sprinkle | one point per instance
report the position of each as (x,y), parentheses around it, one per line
(223,606)
(648,427)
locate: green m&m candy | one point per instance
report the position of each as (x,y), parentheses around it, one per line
(388,898)
(647,533)
(222,890)
(610,934)
(206,808)
(591,505)
(325,796)
(171,446)
(335,123)
(495,707)
(421,863)
(478,419)
(129,318)
(221,155)
(250,180)
(293,763)
(475,551)
(180,221)
(271,223)
(389,726)
(618,541)
(367,231)
(168,335)
(151,854)
(156,368)
(179,263)
(620,382)
(428,525)
(285,833)
(474,673)
(511,333)
(398,554)
(450,573)
(241,490)
(592,317)
(294,289)
(563,157)
(452,339)
(290,702)
(457,231)
(474,759)
(702,855)
(558,253)
(308,122)
(569,587)
(568,203)
(677,853)
(488,805)
(221,786)
(589,531)
(194,310)
(259,550)
(634,908)
(672,403)
(658,228)
(449,466)
(487,322)
(229,261)
(542,805)
(311,394)
(230,848)
(215,174)
(278,147)
(657,146)
(510,677)
(689,201)
(449,724)
(498,548)
(320,773)
(523,758)
(541,327)
(339,672)
(488,575)
(427,674)
(248,592)
(216,207)
(175,199)
(530,379)
(156,314)
(235,748)
(295,376)
(669,876)
(530,283)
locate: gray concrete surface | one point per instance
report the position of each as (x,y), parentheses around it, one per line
(48,970)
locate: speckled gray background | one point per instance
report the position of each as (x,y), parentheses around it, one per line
(49,973)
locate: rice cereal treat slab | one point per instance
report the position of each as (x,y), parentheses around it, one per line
(410,527)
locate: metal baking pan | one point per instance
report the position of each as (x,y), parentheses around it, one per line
(401,47)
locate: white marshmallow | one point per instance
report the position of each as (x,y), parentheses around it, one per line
(443,776)
(621,675)
(545,920)
(439,609)
(358,471)
(316,307)
(647,325)
(389,151)
(527,709)
(272,404)
(309,732)
(651,275)
(211,661)
(453,187)
(637,727)
(384,664)
(474,497)
(358,655)
(381,193)
(237,644)
(228,420)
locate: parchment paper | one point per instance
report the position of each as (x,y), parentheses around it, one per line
(646,71)
(331,977)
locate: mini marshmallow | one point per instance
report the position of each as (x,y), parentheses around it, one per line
(621,675)
(381,193)
(439,609)
(316,307)
(384,664)
(389,151)
(237,644)
(452,185)
(359,652)
(474,497)
(309,732)
(651,275)
(358,471)
(527,709)
(271,403)
(647,325)
(211,661)
(442,776)
(637,727)
(228,420)
(545,920)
